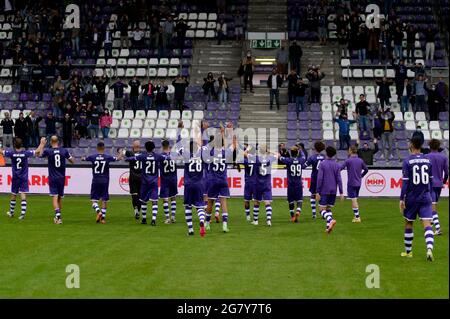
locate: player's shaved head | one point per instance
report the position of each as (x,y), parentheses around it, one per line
(319,146)
(434,144)
(331,151)
(136,145)
(54,140)
(416,143)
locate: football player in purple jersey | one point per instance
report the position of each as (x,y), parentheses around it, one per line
(415,196)
(57,157)
(19,166)
(314,161)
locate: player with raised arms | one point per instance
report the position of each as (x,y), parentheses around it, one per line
(134,178)
(19,166)
(314,161)
(356,170)
(415,196)
(57,157)
(249,180)
(439,164)
(100,180)
(328,179)
(294,169)
(169,181)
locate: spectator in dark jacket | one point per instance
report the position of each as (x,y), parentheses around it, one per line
(400,76)
(418,134)
(67,129)
(21,129)
(180,84)
(283,152)
(295,55)
(7,123)
(363,110)
(119,88)
(50,125)
(134,93)
(300,92)
(223,89)
(314,77)
(274,82)
(33,129)
(148,93)
(387,136)
(100,84)
(366,153)
(292,83)
(384,93)
(161,100)
(434,102)
(25,76)
(208,87)
(405,96)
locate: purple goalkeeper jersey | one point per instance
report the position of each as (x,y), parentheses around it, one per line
(294,169)
(150,166)
(417,178)
(100,167)
(250,170)
(19,163)
(356,170)
(167,167)
(439,165)
(329,177)
(56,161)
(314,161)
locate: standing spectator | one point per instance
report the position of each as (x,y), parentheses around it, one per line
(430,45)
(67,129)
(123,29)
(373,43)
(295,54)
(50,125)
(419,92)
(221,31)
(384,92)
(366,153)
(314,77)
(154,33)
(405,96)
(138,38)
(342,37)
(292,83)
(295,15)
(75,39)
(181,29)
(33,129)
(7,123)
(148,93)
(25,76)
(21,129)
(180,84)
(302,150)
(249,66)
(81,122)
(322,25)
(410,41)
(300,92)
(344,130)
(362,109)
(383,44)
(282,61)
(105,123)
(93,116)
(119,88)
(134,93)
(274,82)
(168,29)
(238,26)
(223,89)
(377,129)
(208,87)
(107,44)
(282,150)
(161,100)
(100,84)
(418,134)
(434,103)
(398,44)
(401,72)
(387,118)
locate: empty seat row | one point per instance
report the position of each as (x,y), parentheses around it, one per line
(138,62)
(369,73)
(163,114)
(148,133)
(198,16)
(150,123)
(139,72)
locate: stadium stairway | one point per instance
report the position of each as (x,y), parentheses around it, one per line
(314,54)
(210,57)
(267,16)
(255,112)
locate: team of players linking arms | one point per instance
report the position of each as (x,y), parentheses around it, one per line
(206,185)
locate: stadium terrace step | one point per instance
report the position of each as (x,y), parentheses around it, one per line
(267,16)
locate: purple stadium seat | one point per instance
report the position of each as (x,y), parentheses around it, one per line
(443,116)
(316,135)
(400,135)
(304,134)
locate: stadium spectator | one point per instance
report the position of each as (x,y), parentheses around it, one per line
(238,26)
(25,76)
(249,66)
(119,88)
(387,137)
(161,100)
(282,150)
(383,45)
(384,93)
(123,29)
(295,55)
(50,125)
(398,45)
(223,89)
(138,38)
(180,84)
(168,29)
(295,17)
(208,87)
(302,150)
(342,37)
(274,82)
(419,93)
(410,41)
(315,77)
(221,31)
(105,123)
(33,129)
(300,92)
(155,33)
(181,29)
(429,45)
(442,91)
(363,111)
(93,115)
(366,153)
(7,123)
(100,84)
(400,76)
(418,134)
(134,84)
(342,106)
(107,44)
(434,102)
(344,130)
(67,130)
(373,43)
(148,93)
(81,122)
(322,25)
(292,83)
(282,58)
(405,96)
(21,129)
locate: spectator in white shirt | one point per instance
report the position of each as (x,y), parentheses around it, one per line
(138,37)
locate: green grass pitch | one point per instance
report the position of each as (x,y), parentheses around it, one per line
(124,259)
